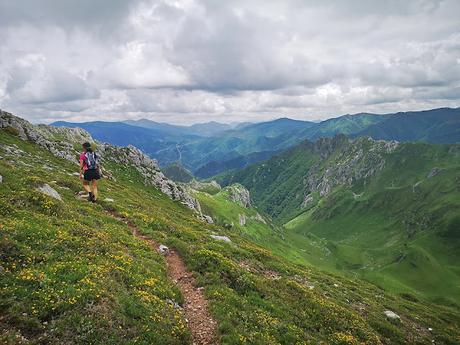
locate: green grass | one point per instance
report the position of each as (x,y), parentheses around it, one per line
(72,274)
(398,229)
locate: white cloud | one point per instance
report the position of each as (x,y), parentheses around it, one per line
(200,60)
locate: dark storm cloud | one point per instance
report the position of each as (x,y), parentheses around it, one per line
(189,60)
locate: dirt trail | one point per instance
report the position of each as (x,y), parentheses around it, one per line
(200,322)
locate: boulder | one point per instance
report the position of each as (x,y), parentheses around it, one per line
(221,238)
(242,219)
(162,249)
(207,219)
(46,189)
(391,315)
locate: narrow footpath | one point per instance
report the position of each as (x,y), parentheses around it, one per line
(200,322)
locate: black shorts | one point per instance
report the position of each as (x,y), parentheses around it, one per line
(91,174)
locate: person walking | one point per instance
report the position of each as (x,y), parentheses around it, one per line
(89,171)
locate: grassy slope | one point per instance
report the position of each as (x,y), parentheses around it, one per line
(396,235)
(72,274)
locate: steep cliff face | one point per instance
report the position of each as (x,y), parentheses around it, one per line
(344,162)
(66,142)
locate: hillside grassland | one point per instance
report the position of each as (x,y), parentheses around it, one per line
(71,273)
(398,228)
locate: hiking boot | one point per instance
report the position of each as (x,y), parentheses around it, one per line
(90,197)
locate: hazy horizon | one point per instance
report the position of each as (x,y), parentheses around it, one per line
(195,61)
(234,123)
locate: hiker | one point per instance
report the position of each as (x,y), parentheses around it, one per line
(89,171)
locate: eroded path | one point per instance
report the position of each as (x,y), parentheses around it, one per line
(200,322)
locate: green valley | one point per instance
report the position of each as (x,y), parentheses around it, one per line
(384,211)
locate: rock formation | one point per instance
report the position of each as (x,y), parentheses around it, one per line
(66,142)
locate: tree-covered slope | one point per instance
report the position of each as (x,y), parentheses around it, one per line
(382,210)
(434,126)
(72,273)
(177,172)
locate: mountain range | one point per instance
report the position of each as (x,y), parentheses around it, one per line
(212,148)
(336,241)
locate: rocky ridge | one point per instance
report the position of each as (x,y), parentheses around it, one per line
(239,194)
(65,143)
(343,162)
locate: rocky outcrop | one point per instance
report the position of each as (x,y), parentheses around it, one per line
(59,141)
(149,170)
(207,219)
(204,186)
(353,160)
(65,143)
(239,194)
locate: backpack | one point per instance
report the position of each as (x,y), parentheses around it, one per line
(91,160)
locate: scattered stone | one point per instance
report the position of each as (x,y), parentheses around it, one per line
(221,238)
(46,189)
(75,174)
(109,200)
(435,171)
(1,179)
(336,285)
(391,315)
(207,219)
(430,329)
(174,304)
(242,218)
(259,218)
(162,249)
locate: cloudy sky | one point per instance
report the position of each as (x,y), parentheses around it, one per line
(186,61)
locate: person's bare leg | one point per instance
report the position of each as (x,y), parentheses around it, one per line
(94,188)
(86,186)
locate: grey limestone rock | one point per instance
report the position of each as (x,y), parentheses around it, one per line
(48,190)
(239,194)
